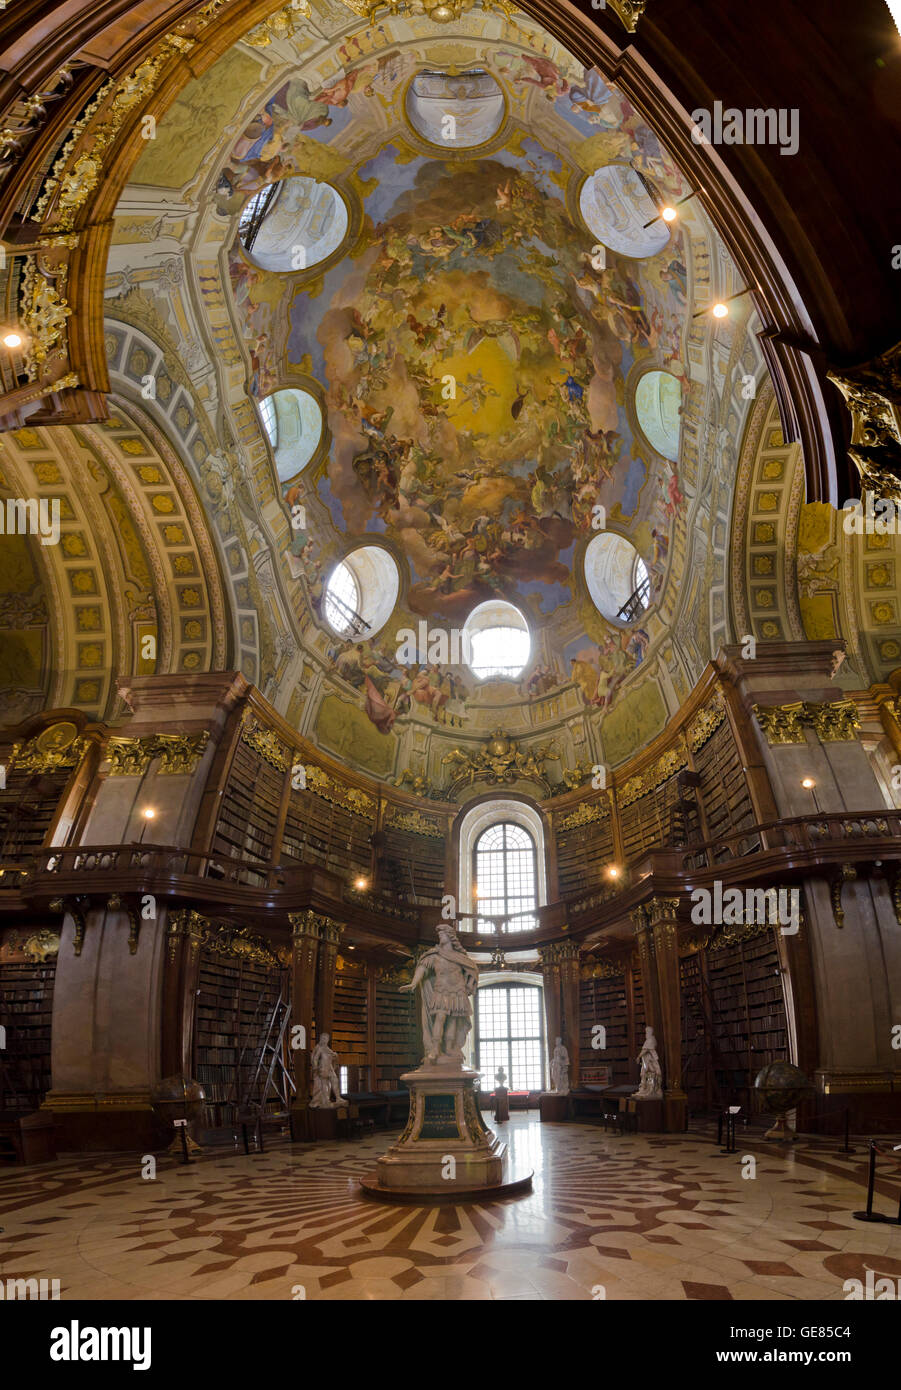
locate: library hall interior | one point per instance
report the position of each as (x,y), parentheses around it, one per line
(450,651)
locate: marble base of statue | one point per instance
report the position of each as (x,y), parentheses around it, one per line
(446,1151)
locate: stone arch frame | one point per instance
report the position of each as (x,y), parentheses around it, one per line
(473,820)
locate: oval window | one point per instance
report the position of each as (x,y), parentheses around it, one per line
(293,224)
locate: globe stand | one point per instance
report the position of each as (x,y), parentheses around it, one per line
(781,1132)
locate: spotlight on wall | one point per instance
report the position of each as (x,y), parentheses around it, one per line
(12,340)
(668,214)
(808,782)
(147,815)
(720,311)
(612,871)
(361,884)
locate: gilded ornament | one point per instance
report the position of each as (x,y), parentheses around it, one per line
(781,723)
(180,753)
(128,757)
(55,747)
(265,742)
(673,760)
(280,25)
(872,394)
(500,760)
(415,823)
(44,315)
(835,722)
(706,722)
(585,814)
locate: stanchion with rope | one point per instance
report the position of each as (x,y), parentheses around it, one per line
(893,1153)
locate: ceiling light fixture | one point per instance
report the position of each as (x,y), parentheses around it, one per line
(670,211)
(720,309)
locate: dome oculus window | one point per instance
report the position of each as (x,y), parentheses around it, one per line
(456,111)
(617,578)
(498,641)
(361,593)
(292,419)
(342,603)
(658,400)
(617,207)
(293,224)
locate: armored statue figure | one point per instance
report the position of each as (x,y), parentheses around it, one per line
(447,978)
(324,1063)
(560,1069)
(650,1084)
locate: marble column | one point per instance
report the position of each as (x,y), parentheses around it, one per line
(306,934)
(550,972)
(325,982)
(568,953)
(661,917)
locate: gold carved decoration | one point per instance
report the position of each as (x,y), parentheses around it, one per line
(320,783)
(72,186)
(781,723)
(44,314)
(55,747)
(585,814)
(500,760)
(440,11)
(835,722)
(873,396)
(178,753)
(848,875)
(37,946)
(280,25)
(577,776)
(115,903)
(706,722)
(673,760)
(264,741)
(604,969)
(128,757)
(415,823)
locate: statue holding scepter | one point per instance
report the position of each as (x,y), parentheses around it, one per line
(447,978)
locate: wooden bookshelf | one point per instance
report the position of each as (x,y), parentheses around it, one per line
(349,1030)
(603,1000)
(747,1010)
(235,1000)
(26,1008)
(249,810)
(583,854)
(397,1049)
(724,788)
(27,806)
(412,865)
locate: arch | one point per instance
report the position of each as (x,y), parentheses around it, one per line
(472,824)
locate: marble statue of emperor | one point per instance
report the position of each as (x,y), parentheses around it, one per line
(447,978)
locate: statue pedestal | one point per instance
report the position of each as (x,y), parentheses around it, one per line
(445,1153)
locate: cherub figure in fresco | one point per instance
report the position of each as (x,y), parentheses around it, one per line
(676,276)
(675,497)
(475,390)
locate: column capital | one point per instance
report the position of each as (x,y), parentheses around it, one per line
(307,923)
(189,925)
(331,931)
(662,910)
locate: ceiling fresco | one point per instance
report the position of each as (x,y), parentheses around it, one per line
(476,344)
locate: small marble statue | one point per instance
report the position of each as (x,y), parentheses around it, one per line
(560,1069)
(651,1081)
(324,1063)
(500,1077)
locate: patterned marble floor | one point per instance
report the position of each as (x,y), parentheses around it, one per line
(637,1217)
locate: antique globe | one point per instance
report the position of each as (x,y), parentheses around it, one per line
(179,1098)
(781,1085)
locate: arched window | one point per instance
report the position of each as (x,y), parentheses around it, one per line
(342,601)
(510,1034)
(504,872)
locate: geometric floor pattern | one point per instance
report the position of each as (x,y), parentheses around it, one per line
(610,1216)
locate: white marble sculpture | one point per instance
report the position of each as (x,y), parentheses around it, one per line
(650,1084)
(447,978)
(324,1062)
(500,1077)
(560,1069)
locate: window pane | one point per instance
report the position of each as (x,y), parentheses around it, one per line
(505,876)
(511,1035)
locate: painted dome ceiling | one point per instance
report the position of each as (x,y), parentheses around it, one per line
(421,290)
